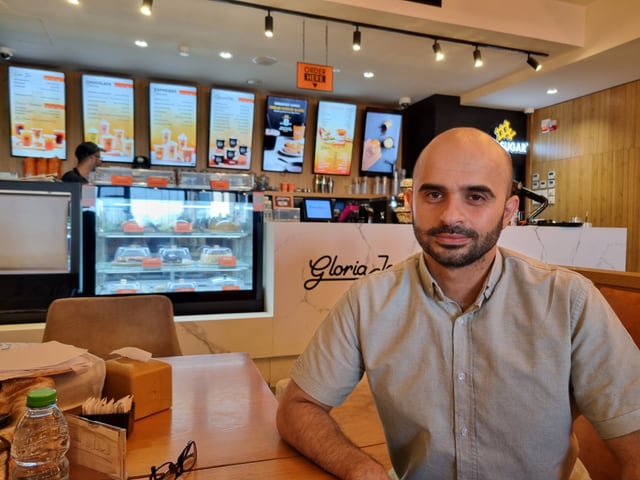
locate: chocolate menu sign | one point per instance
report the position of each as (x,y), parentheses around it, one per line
(172,124)
(37,113)
(107,108)
(231,129)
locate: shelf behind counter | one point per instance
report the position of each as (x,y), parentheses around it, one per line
(330,207)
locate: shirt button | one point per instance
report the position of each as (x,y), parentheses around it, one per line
(464,432)
(461,376)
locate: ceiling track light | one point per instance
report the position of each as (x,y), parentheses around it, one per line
(477,58)
(357,39)
(268,25)
(370,26)
(533,63)
(437,51)
(145,9)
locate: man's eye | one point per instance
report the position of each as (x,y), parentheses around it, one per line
(476,198)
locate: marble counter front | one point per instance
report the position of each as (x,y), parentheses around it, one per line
(603,248)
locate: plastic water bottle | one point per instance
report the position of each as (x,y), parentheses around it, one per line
(41,439)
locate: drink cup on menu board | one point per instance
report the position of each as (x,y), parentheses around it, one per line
(19,126)
(92,135)
(26,136)
(37,136)
(270,137)
(172,150)
(182,142)
(298,132)
(127,147)
(166,135)
(159,149)
(119,138)
(59,136)
(107,142)
(220,143)
(187,154)
(49,141)
(233,142)
(104,127)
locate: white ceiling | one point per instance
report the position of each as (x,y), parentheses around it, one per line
(592,45)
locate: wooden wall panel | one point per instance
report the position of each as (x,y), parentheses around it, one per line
(595,153)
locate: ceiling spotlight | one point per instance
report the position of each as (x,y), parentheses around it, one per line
(183,51)
(268,25)
(533,63)
(226,55)
(145,9)
(141,43)
(74,2)
(368,74)
(437,51)
(477,58)
(552,91)
(357,40)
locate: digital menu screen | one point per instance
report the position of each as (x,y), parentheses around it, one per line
(380,142)
(37,113)
(231,129)
(172,124)
(334,138)
(107,114)
(283,145)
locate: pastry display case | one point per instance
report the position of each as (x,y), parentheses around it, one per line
(201,247)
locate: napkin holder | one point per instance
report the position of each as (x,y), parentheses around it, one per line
(150,383)
(120,420)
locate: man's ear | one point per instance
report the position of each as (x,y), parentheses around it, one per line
(510,208)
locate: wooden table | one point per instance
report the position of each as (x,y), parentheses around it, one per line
(222,402)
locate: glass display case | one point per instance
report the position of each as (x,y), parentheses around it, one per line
(202,248)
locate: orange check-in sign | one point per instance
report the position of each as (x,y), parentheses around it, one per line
(315,77)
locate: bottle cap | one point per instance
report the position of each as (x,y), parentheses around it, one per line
(41,397)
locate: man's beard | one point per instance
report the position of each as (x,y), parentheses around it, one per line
(457,256)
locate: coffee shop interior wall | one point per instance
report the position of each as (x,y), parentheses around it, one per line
(141,119)
(595,153)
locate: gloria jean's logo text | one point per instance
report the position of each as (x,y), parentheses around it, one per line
(327,269)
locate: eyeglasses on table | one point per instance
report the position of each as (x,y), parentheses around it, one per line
(185,463)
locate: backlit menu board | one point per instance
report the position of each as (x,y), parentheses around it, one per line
(334,138)
(283,146)
(231,129)
(172,124)
(37,113)
(380,142)
(107,113)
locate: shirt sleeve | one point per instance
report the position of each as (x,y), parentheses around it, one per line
(331,365)
(605,372)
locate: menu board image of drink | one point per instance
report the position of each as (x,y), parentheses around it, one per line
(107,109)
(172,124)
(37,113)
(334,138)
(283,146)
(231,129)
(380,142)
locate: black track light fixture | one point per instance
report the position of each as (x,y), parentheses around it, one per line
(357,39)
(533,63)
(477,58)
(437,51)
(268,25)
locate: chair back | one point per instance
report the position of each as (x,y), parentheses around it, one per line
(104,324)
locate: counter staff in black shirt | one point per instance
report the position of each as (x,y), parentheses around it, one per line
(88,155)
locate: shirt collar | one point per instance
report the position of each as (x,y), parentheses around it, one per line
(432,288)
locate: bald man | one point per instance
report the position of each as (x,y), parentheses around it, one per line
(478,358)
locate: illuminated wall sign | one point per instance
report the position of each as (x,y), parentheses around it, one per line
(505,136)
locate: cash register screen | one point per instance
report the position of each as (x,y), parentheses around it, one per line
(317,210)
